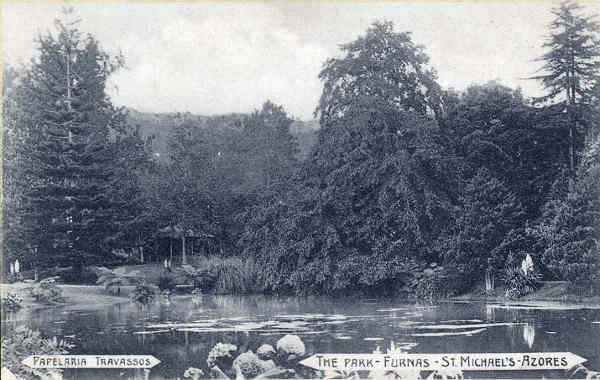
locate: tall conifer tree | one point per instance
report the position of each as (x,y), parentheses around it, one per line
(67,204)
(571,68)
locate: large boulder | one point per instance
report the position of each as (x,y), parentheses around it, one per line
(221,355)
(266,352)
(290,346)
(250,365)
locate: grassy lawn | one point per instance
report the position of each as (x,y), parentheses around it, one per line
(150,272)
(82,296)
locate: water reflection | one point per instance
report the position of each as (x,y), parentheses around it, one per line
(490,313)
(529,334)
(181,334)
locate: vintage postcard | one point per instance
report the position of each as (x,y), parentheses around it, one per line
(300,190)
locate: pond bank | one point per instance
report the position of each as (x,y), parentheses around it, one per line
(554,291)
(90,296)
(82,296)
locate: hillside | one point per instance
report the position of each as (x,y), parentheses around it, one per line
(157,126)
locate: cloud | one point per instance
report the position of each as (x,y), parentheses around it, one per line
(219,63)
(212,58)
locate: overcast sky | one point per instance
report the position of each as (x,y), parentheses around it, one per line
(212,58)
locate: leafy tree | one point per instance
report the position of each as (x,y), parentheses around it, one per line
(489,215)
(571,69)
(216,172)
(491,126)
(185,198)
(381,65)
(269,147)
(67,207)
(377,189)
(569,230)
(135,224)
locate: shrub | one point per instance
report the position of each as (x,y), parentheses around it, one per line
(47,292)
(112,281)
(22,342)
(82,276)
(437,282)
(165,283)
(11,302)
(224,276)
(10,278)
(200,277)
(142,294)
(232,276)
(517,284)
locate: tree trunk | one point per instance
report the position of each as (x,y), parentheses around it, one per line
(183,257)
(571,149)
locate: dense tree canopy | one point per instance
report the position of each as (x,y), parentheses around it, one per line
(377,190)
(406,184)
(68,152)
(382,66)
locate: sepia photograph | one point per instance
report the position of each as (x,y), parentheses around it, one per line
(300,189)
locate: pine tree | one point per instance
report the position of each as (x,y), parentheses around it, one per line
(13,161)
(571,69)
(67,208)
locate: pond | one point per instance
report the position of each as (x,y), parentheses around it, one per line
(181,333)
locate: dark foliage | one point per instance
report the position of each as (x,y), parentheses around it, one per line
(166,283)
(401,188)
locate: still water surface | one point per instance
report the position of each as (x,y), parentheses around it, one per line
(180,333)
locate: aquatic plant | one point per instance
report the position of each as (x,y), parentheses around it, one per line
(341,374)
(224,276)
(221,355)
(201,276)
(250,365)
(579,371)
(46,291)
(266,352)
(22,342)
(445,374)
(11,302)
(194,373)
(290,345)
